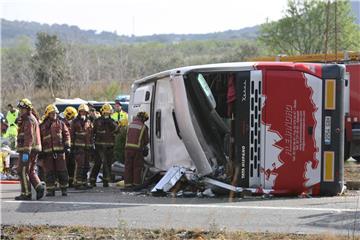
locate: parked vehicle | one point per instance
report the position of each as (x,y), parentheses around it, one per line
(61,104)
(271,127)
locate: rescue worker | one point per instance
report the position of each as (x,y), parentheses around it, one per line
(136,143)
(119,114)
(55,140)
(121,118)
(120,138)
(69,115)
(104,128)
(12,130)
(82,143)
(28,146)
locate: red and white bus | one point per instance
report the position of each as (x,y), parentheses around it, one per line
(267,127)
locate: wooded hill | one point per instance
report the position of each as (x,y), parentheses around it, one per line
(11,30)
(41,61)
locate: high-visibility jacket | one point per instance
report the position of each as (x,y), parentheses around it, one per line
(12,129)
(137,135)
(11,117)
(29,134)
(55,136)
(118,116)
(81,133)
(104,129)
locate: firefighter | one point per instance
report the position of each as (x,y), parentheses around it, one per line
(69,115)
(28,146)
(136,143)
(120,138)
(82,143)
(55,139)
(104,129)
(119,114)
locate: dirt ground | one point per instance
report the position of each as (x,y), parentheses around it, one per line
(83,233)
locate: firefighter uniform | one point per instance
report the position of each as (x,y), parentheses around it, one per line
(55,140)
(104,128)
(28,146)
(82,144)
(136,140)
(69,114)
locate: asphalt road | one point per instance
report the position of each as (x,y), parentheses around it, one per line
(113,208)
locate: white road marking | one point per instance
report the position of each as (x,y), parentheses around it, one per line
(227,206)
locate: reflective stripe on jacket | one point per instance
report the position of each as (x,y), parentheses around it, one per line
(54,136)
(29,134)
(137,135)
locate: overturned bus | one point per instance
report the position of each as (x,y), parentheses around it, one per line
(262,127)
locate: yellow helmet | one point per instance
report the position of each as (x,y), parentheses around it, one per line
(144,116)
(25,103)
(123,122)
(106,108)
(70,113)
(49,109)
(83,107)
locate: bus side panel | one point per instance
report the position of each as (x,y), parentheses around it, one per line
(291,117)
(354,71)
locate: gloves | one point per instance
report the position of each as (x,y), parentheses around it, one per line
(25,157)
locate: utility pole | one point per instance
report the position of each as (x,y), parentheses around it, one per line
(336,34)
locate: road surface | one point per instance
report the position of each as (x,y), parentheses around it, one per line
(111,207)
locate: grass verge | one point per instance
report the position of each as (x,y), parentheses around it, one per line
(81,232)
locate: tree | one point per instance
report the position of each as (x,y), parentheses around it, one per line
(48,62)
(312,26)
(17,76)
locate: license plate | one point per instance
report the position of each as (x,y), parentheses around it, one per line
(327,130)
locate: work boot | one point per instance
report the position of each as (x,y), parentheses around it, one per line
(137,187)
(50,193)
(40,191)
(64,192)
(23,197)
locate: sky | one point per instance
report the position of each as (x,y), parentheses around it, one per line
(146,17)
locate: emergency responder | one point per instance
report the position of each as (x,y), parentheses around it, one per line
(120,138)
(120,117)
(69,115)
(119,114)
(28,146)
(55,140)
(82,143)
(12,129)
(135,147)
(104,128)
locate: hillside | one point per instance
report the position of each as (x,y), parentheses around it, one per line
(10,30)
